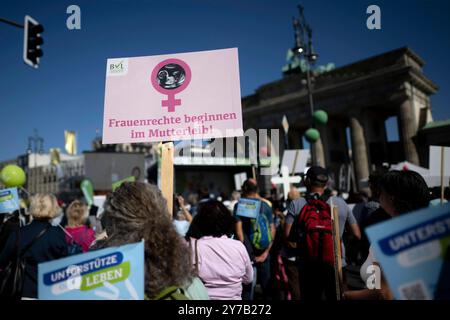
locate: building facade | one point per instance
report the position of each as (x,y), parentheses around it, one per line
(359,98)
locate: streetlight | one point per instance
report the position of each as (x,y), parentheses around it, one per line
(37,142)
(304,47)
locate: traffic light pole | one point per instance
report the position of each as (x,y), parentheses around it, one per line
(12,23)
(32,39)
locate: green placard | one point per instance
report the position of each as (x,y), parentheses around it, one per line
(88,191)
(117,184)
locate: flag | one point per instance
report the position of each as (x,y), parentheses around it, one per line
(55,157)
(71,142)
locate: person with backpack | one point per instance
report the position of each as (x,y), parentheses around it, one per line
(77,231)
(222,263)
(137,211)
(31,245)
(401,192)
(257,234)
(309,225)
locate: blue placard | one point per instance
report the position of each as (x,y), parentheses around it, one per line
(108,274)
(411,250)
(9,200)
(248,208)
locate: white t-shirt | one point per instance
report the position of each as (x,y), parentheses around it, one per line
(181,226)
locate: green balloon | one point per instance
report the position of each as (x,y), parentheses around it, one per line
(13,176)
(88,191)
(320,117)
(312,135)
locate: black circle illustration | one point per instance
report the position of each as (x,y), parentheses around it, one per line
(171,76)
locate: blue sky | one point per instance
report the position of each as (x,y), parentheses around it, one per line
(67,91)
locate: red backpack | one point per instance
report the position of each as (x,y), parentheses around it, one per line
(315,233)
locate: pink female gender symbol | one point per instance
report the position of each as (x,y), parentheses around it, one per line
(171,102)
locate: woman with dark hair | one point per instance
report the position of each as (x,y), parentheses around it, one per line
(221,263)
(137,211)
(401,192)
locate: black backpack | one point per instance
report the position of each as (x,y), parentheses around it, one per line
(12,277)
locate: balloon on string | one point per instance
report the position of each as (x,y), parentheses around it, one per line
(12,176)
(312,135)
(320,117)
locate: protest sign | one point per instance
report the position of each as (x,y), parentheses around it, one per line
(117,184)
(285,180)
(248,208)
(112,274)
(435,161)
(239,179)
(99,201)
(295,160)
(9,200)
(88,191)
(182,96)
(412,250)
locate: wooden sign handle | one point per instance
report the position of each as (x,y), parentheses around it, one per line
(337,252)
(167,174)
(295,163)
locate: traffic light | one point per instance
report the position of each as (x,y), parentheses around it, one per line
(32,42)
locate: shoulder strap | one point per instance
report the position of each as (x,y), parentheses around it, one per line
(40,234)
(195,252)
(196,256)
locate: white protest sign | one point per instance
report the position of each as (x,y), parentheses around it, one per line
(295,160)
(99,201)
(435,161)
(239,179)
(285,180)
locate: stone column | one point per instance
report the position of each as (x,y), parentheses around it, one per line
(318,153)
(407,130)
(359,150)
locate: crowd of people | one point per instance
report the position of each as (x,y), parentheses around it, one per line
(279,249)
